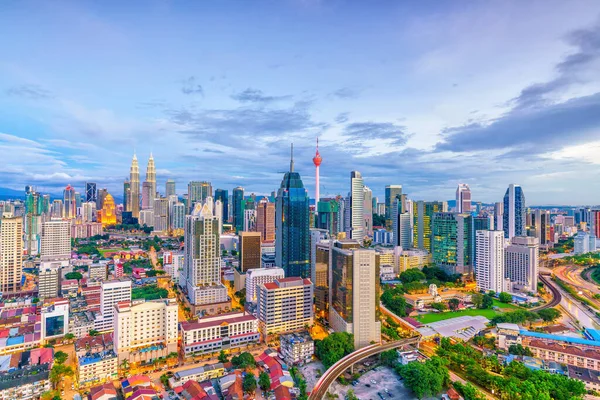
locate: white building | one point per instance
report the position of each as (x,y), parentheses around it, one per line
(145,330)
(582,242)
(201,278)
(285,305)
(356,212)
(147,217)
(177,218)
(489,266)
(214,333)
(522,263)
(111,294)
(249,220)
(88,211)
(55,319)
(161,214)
(258,276)
(463,198)
(11,254)
(56,241)
(401,224)
(49,280)
(297,348)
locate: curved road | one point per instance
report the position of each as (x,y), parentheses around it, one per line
(556,296)
(339,367)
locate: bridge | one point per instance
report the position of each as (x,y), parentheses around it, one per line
(322,385)
(556,296)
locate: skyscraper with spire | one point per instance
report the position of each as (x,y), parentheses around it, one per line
(292,238)
(151,177)
(134,187)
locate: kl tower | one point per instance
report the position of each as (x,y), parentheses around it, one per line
(317,159)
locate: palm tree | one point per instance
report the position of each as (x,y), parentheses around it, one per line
(125,365)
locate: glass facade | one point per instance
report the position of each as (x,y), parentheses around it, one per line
(452,241)
(238,208)
(422,216)
(223,195)
(328,215)
(520,212)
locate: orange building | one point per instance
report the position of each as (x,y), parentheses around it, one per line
(109,211)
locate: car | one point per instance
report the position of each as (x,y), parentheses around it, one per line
(389,394)
(386,390)
(373,381)
(367,385)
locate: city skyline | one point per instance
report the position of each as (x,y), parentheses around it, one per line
(425,110)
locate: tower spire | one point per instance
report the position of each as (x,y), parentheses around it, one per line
(292,159)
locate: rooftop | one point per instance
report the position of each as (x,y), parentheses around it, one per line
(566,339)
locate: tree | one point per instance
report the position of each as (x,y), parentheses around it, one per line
(477,300)
(243,361)
(125,365)
(60,357)
(58,372)
(93,332)
(69,336)
(249,383)
(264,381)
(389,358)
(453,304)
(425,379)
(468,391)
(164,379)
(73,275)
(549,314)
(519,350)
(412,275)
(334,347)
(505,297)
(439,306)
(350,395)
(487,302)
(223,357)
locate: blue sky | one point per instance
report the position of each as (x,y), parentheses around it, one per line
(424,94)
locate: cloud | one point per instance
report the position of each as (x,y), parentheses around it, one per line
(346,93)
(257,96)
(342,118)
(29,91)
(191,87)
(367,131)
(12,139)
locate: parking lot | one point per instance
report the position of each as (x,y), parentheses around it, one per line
(385,378)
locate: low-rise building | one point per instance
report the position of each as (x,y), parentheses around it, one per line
(198,374)
(213,333)
(589,377)
(106,391)
(98,271)
(507,335)
(297,348)
(96,368)
(25,375)
(420,300)
(81,323)
(69,288)
(387,272)
(460,328)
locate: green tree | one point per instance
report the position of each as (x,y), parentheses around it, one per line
(249,383)
(439,306)
(389,358)
(453,304)
(505,297)
(264,381)
(519,350)
(60,357)
(350,395)
(393,299)
(58,372)
(468,391)
(477,300)
(412,275)
(69,336)
(223,357)
(93,332)
(549,314)
(425,379)
(74,275)
(164,379)
(487,302)
(244,360)
(334,347)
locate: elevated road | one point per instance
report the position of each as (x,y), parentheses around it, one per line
(322,385)
(556,296)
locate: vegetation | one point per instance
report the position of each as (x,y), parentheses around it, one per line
(549,314)
(378,219)
(516,317)
(439,306)
(519,350)
(154,272)
(164,379)
(300,383)
(468,391)
(505,297)
(412,275)
(515,381)
(264,381)
(243,361)
(389,357)
(150,292)
(350,395)
(569,289)
(58,373)
(60,357)
(425,379)
(249,383)
(74,275)
(93,332)
(90,249)
(434,317)
(223,357)
(393,300)
(334,347)
(438,275)
(453,304)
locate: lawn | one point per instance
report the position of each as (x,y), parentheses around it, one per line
(434,317)
(110,250)
(503,306)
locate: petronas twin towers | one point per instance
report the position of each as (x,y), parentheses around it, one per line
(148,188)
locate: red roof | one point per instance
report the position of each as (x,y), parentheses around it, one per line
(189,326)
(193,391)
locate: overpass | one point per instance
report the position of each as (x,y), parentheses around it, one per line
(556,296)
(322,385)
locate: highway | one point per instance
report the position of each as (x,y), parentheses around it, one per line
(322,385)
(556,296)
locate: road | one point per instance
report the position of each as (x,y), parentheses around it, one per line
(572,274)
(556,296)
(322,385)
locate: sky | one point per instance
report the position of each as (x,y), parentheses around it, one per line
(424,94)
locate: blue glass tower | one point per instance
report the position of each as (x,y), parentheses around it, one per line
(292,226)
(514,218)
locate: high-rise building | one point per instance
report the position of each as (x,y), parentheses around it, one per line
(422,222)
(161,214)
(151,177)
(109,211)
(177,217)
(90,192)
(111,293)
(514,212)
(134,188)
(126,196)
(250,253)
(57,208)
(238,208)
(100,198)
(223,196)
(540,221)
(321,274)
(265,219)
(170,188)
(595,228)
(49,280)
(56,241)
(498,216)
(368,211)
(256,277)
(218,212)
(479,224)
(489,267)
(88,212)
(198,192)
(317,237)
(139,325)
(147,197)
(463,198)
(353,293)
(392,192)
(521,259)
(285,305)
(250,220)
(452,241)
(357,200)
(327,216)
(77,201)
(70,205)
(11,254)
(292,235)
(201,276)
(317,160)
(402,231)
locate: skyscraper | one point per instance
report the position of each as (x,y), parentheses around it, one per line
(452,241)
(463,198)
(368,211)
(498,216)
(201,277)
(422,220)
(126,196)
(170,188)
(265,220)
(522,263)
(90,192)
(540,221)
(147,197)
(317,160)
(223,196)
(357,200)
(198,192)
(102,193)
(238,208)
(70,210)
(328,214)
(250,256)
(391,192)
(514,212)
(292,227)
(109,211)
(489,267)
(151,177)
(11,254)
(134,186)
(56,241)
